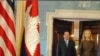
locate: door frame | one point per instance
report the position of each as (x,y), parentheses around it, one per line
(67,14)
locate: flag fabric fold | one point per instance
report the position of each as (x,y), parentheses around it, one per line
(32,38)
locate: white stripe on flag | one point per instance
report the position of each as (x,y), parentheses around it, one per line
(8,9)
(3,46)
(7,30)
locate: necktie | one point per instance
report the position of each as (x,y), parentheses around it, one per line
(67,43)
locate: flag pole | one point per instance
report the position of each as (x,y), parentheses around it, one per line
(20,11)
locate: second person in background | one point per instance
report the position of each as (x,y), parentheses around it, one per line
(87,45)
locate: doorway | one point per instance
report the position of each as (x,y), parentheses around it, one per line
(59,26)
(66,14)
(75,27)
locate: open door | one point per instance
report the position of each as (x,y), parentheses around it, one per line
(59,26)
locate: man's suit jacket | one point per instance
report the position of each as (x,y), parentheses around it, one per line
(63,50)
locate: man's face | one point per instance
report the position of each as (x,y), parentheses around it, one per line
(66,35)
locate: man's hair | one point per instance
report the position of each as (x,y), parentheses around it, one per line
(66,31)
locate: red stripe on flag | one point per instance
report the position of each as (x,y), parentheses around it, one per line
(37,51)
(4,14)
(1,52)
(7,42)
(34,9)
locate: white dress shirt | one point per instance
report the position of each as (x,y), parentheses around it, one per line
(66,41)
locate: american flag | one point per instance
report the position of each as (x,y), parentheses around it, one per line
(7,28)
(32,38)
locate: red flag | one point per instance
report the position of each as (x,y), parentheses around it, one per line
(7,28)
(32,38)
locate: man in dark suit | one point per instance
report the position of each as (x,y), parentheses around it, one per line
(66,47)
